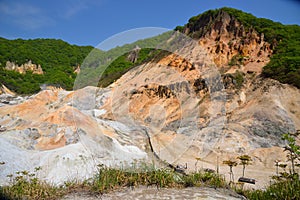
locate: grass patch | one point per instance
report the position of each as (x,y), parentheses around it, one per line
(109,179)
(27,186)
(287,189)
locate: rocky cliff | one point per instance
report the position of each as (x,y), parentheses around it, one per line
(22,69)
(192,112)
(229,43)
(204,99)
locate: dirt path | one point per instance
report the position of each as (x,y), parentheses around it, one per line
(145,193)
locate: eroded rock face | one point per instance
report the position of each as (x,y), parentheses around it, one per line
(22,69)
(51,130)
(229,43)
(200,113)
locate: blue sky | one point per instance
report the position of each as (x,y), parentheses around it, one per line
(89,22)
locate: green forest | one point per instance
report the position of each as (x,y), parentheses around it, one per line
(59,59)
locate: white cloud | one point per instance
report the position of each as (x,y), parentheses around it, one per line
(18,9)
(25,16)
(74,7)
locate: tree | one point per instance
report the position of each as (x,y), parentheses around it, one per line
(293,150)
(231,164)
(245,160)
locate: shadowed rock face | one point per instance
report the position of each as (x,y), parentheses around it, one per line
(188,104)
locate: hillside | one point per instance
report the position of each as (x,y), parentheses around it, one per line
(200,98)
(59,59)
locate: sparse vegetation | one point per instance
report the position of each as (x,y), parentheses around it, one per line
(293,150)
(288,190)
(239,79)
(122,64)
(109,179)
(286,184)
(26,185)
(236,60)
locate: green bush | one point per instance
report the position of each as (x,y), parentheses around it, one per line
(288,190)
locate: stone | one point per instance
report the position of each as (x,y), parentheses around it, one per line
(134,54)
(22,69)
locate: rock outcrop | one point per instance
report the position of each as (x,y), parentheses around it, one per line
(134,54)
(5,90)
(230,44)
(77,70)
(22,69)
(57,130)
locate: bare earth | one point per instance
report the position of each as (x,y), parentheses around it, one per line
(166,193)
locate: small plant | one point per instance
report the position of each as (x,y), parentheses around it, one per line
(239,78)
(245,160)
(236,60)
(196,163)
(292,148)
(277,166)
(231,164)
